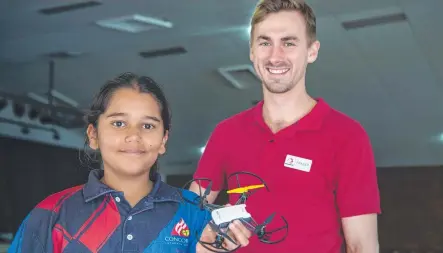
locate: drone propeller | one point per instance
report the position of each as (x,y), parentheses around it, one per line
(245,189)
(236,174)
(260,229)
(269,219)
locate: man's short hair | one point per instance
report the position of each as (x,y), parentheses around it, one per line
(266,7)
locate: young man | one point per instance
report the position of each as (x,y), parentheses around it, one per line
(318,163)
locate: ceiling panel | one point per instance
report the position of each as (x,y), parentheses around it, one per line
(355,6)
(361,72)
(23,78)
(368,65)
(426,21)
(392,52)
(38,34)
(342,76)
(398,62)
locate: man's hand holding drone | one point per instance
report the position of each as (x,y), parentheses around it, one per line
(231,226)
(237,232)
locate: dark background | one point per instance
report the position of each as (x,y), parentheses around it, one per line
(29,172)
(412,197)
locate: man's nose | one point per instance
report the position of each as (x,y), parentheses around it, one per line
(277,55)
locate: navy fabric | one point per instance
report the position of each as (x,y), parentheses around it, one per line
(95,218)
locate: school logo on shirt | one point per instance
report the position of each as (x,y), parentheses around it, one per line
(179,236)
(298,163)
(180,229)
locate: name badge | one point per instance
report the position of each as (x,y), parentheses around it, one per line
(298,163)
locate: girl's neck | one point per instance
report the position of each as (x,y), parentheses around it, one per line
(133,188)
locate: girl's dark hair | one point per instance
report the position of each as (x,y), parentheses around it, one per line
(143,84)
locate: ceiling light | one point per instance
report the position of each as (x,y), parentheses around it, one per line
(134,24)
(240,76)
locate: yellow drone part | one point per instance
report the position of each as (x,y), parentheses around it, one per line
(245,189)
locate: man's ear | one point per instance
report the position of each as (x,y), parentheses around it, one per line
(162,149)
(92,134)
(313,51)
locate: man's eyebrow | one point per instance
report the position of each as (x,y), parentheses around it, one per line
(287,38)
(263,37)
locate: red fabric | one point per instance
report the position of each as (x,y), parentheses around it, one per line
(60,239)
(55,201)
(340,182)
(105,222)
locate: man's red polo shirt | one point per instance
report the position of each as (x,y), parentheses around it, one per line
(318,170)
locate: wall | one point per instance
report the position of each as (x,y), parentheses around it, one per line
(412,203)
(31,171)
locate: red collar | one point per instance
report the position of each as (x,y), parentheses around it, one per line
(310,122)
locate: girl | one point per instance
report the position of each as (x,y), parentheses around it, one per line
(125,207)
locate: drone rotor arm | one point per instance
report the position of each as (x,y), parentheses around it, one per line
(213,206)
(249,223)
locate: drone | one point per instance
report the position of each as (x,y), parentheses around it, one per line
(223,216)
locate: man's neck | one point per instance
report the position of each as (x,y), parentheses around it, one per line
(283,110)
(133,188)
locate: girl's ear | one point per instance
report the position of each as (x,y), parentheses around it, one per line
(162,149)
(91,132)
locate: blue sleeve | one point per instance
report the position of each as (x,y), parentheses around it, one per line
(33,235)
(16,245)
(201,219)
(24,240)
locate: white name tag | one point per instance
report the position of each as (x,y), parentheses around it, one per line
(229,213)
(298,163)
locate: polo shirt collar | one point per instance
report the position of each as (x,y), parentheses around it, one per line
(310,122)
(94,188)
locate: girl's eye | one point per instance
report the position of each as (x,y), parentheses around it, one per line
(118,123)
(148,126)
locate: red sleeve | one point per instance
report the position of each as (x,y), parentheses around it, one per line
(212,162)
(357,187)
